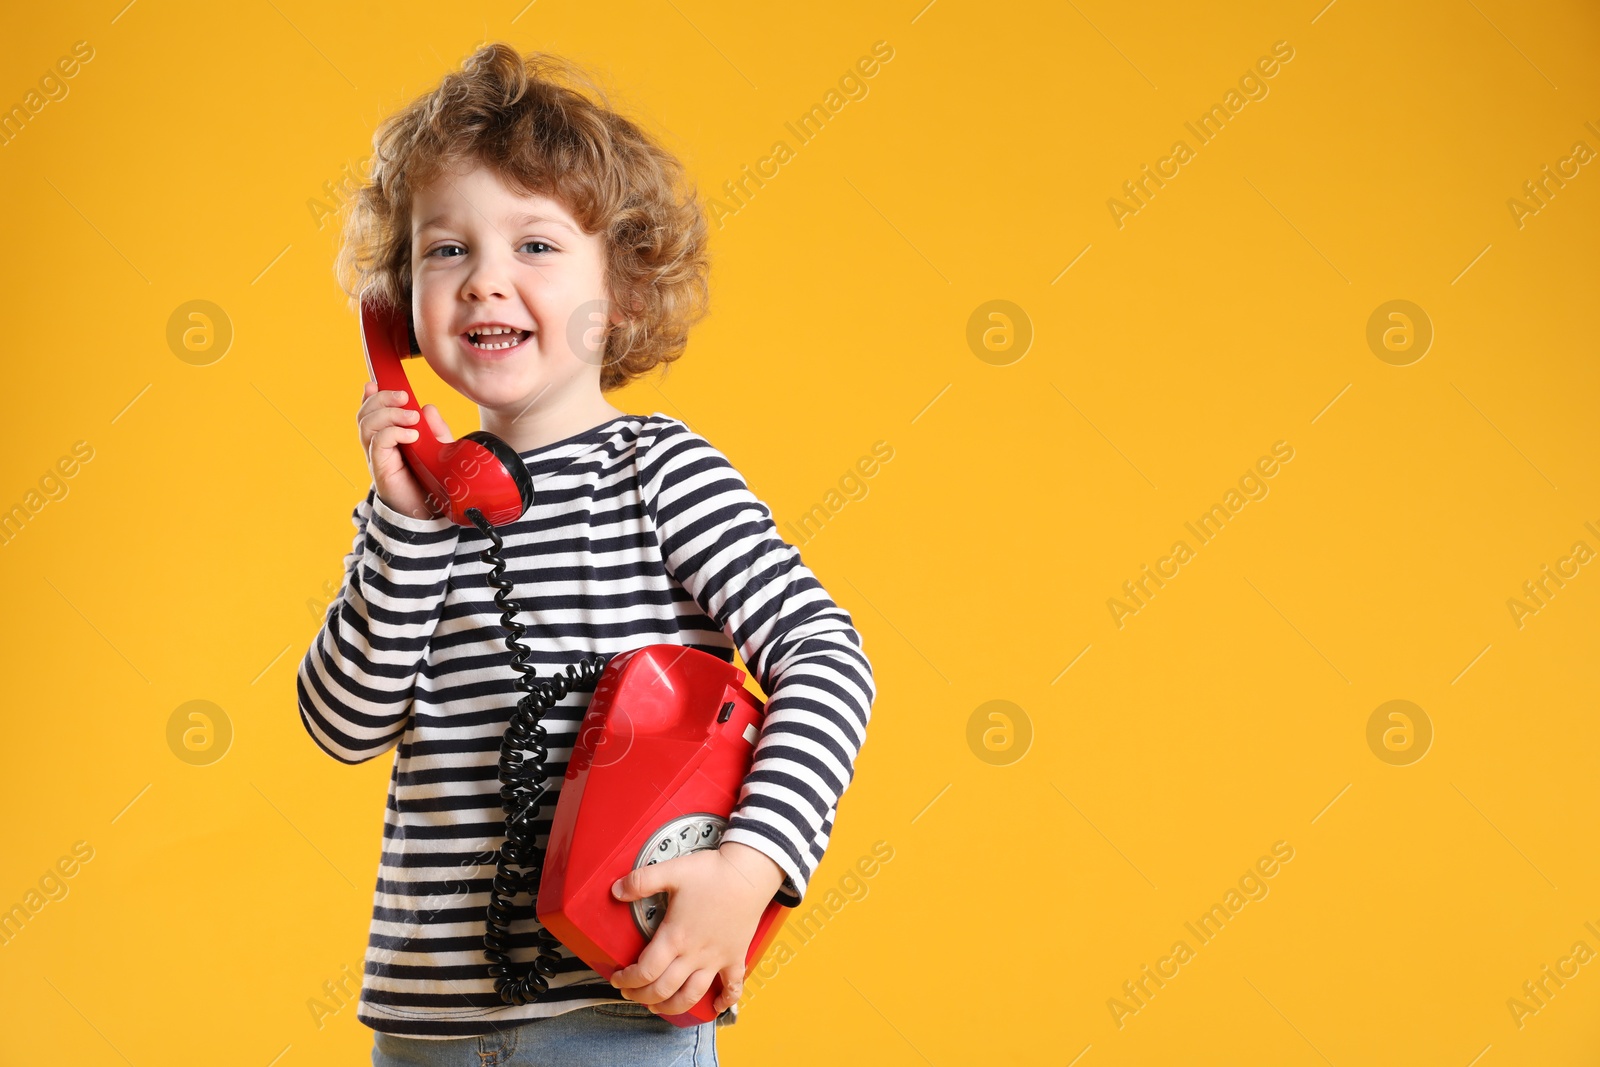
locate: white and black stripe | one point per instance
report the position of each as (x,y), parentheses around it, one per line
(641,532)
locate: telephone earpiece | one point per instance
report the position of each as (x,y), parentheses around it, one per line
(478,471)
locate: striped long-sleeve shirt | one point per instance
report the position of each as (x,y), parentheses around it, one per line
(641,532)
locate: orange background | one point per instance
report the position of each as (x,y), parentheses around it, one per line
(1041,858)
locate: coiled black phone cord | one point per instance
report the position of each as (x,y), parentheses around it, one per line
(523,752)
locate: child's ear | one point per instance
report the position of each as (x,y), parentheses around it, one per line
(623,310)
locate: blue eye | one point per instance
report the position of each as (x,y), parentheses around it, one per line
(446,248)
(541,244)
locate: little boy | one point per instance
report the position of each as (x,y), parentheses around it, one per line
(548,255)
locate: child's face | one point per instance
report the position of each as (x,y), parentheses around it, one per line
(477,257)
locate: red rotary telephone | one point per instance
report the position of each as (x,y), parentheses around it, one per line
(660,756)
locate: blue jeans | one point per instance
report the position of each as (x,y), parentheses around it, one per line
(602,1035)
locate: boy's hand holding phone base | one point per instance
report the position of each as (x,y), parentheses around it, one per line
(715,897)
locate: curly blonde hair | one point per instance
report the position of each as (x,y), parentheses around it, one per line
(529,120)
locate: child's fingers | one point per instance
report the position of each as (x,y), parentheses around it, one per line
(732,987)
(375,407)
(436,423)
(663,988)
(374,399)
(652,962)
(391,436)
(651,967)
(648,881)
(377,419)
(693,989)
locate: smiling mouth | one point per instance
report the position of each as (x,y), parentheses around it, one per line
(498,339)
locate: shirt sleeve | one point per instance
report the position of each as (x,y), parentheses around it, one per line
(356,681)
(719,542)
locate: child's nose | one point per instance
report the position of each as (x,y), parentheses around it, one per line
(485,284)
(489,277)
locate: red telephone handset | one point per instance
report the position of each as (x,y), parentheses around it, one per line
(661,754)
(477,471)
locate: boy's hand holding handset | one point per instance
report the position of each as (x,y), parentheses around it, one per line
(385,422)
